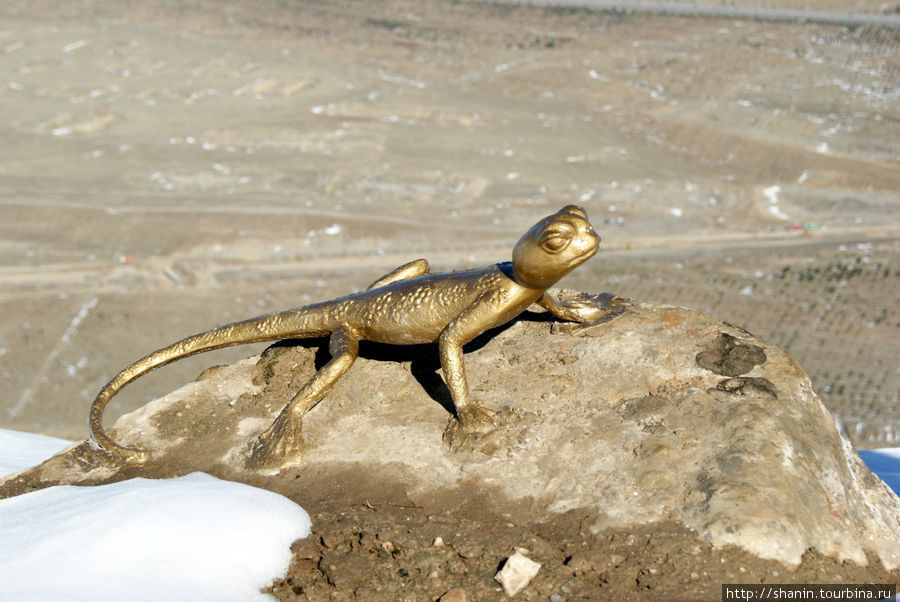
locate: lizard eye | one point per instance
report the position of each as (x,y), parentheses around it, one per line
(554,242)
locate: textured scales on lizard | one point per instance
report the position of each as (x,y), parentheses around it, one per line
(407,306)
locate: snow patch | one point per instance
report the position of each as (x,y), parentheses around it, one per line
(19,451)
(69,48)
(771,193)
(191,538)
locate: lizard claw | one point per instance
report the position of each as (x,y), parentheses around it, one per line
(588,309)
(470,423)
(476,419)
(584,308)
(278,446)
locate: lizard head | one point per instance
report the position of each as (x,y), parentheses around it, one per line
(553,247)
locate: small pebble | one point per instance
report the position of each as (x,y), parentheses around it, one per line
(454,595)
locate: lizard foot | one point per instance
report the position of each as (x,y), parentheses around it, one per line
(476,419)
(278,446)
(587,309)
(470,422)
(511,432)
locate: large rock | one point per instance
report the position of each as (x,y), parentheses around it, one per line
(660,413)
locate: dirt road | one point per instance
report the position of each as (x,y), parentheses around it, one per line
(691,8)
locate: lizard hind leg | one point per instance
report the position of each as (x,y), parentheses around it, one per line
(413,269)
(281,444)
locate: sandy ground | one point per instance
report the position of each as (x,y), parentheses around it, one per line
(171,169)
(168,168)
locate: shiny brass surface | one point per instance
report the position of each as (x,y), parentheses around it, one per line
(407,306)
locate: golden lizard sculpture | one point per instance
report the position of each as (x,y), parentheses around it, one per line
(407,306)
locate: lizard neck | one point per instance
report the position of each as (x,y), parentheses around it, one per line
(507,269)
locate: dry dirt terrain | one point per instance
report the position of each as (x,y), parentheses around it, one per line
(168,168)
(172,166)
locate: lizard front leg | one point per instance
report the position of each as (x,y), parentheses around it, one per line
(583,308)
(471,418)
(281,444)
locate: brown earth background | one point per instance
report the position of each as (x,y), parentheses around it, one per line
(172,166)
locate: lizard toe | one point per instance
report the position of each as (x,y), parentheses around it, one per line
(470,424)
(279,446)
(476,419)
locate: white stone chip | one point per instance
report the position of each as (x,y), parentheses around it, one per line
(517,573)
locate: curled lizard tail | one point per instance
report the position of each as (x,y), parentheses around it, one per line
(298,323)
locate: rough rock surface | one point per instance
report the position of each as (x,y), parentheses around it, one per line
(658,414)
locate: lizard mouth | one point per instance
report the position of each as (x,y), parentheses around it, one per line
(587,253)
(593,244)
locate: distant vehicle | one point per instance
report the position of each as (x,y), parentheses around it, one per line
(805,227)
